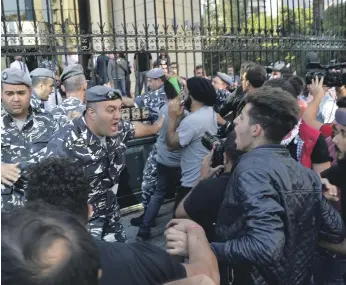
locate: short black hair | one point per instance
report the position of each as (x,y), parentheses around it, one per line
(36,80)
(283,84)
(60,182)
(256,75)
(341,103)
(230,148)
(298,84)
(170,91)
(41,245)
(275,110)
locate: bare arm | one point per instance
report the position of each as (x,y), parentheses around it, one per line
(172,137)
(311,110)
(201,258)
(194,280)
(320,167)
(144,130)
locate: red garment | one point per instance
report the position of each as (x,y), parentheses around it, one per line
(309,135)
(327,130)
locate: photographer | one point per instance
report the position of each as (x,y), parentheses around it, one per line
(186,136)
(202,204)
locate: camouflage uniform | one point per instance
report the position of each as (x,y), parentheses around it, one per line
(102,165)
(221,96)
(36,103)
(18,146)
(60,113)
(50,64)
(154,101)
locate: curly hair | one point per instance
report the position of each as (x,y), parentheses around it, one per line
(60,182)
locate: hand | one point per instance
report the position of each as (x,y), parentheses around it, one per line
(10,173)
(316,87)
(206,170)
(159,123)
(330,191)
(107,84)
(176,242)
(182,225)
(175,110)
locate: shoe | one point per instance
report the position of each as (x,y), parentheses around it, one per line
(143,234)
(136,222)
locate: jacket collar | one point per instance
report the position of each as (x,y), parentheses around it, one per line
(9,122)
(86,133)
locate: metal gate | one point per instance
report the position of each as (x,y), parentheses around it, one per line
(219,34)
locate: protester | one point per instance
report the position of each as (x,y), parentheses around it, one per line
(201,204)
(142,63)
(41,245)
(200,96)
(258,236)
(138,263)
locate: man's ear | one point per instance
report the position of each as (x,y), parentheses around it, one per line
(90,211)
(63,88)
(256,130)
(100,274)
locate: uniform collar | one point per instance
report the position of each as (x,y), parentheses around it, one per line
(9,122)
(87,134)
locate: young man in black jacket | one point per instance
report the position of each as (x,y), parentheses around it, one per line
(273,212)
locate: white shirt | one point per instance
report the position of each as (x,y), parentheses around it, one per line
(51,102)
(20,65)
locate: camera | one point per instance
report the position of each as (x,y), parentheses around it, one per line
(333,76)
(211,142)
(225,129)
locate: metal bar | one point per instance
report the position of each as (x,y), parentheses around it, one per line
(175,37)
(252,15)
(232,25)
(224,16)
(156,25)
(125,27)
(113,24)
(165,22)
(192,31)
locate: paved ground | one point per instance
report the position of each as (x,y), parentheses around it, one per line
(165,215)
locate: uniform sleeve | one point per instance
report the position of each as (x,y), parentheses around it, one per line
(126,130)
(139,101)
(186,132)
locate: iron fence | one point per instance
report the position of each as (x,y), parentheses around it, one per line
(219,34)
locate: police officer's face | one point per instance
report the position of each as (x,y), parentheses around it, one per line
(218,83)
(107,117)
(47,89)
(154,84)
(275,74)
(16,99)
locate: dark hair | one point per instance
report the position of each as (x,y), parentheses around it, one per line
(60,182)
(256,75)
(283,84)
(341,103)
(298,84)
(275,110)
(36,80)
(231,148)
(41,245)
(245,65)
(198,67)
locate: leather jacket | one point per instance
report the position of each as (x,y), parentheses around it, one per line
(271,219)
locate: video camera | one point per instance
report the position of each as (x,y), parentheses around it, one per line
(211,142)
(332,73)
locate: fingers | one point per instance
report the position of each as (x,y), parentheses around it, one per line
(171,223)
(218,168)
(6,182)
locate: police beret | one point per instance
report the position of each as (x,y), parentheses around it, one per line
(71,71)
(14,76)
(278,66)
(155,73)
(224,77)
(41,72)
(102,93)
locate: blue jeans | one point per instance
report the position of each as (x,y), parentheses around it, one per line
(141,79)
(167,177)
(121,85)
(328,268)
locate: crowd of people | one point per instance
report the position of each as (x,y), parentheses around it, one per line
(258,168)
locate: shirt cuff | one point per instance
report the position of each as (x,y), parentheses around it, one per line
(219,251)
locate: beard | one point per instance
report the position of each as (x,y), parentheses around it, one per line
(340,156)
(188,103)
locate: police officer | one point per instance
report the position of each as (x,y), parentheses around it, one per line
(24,132)
(74,84)
(279,70)
(97,140)
(42,80)
(222,84)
